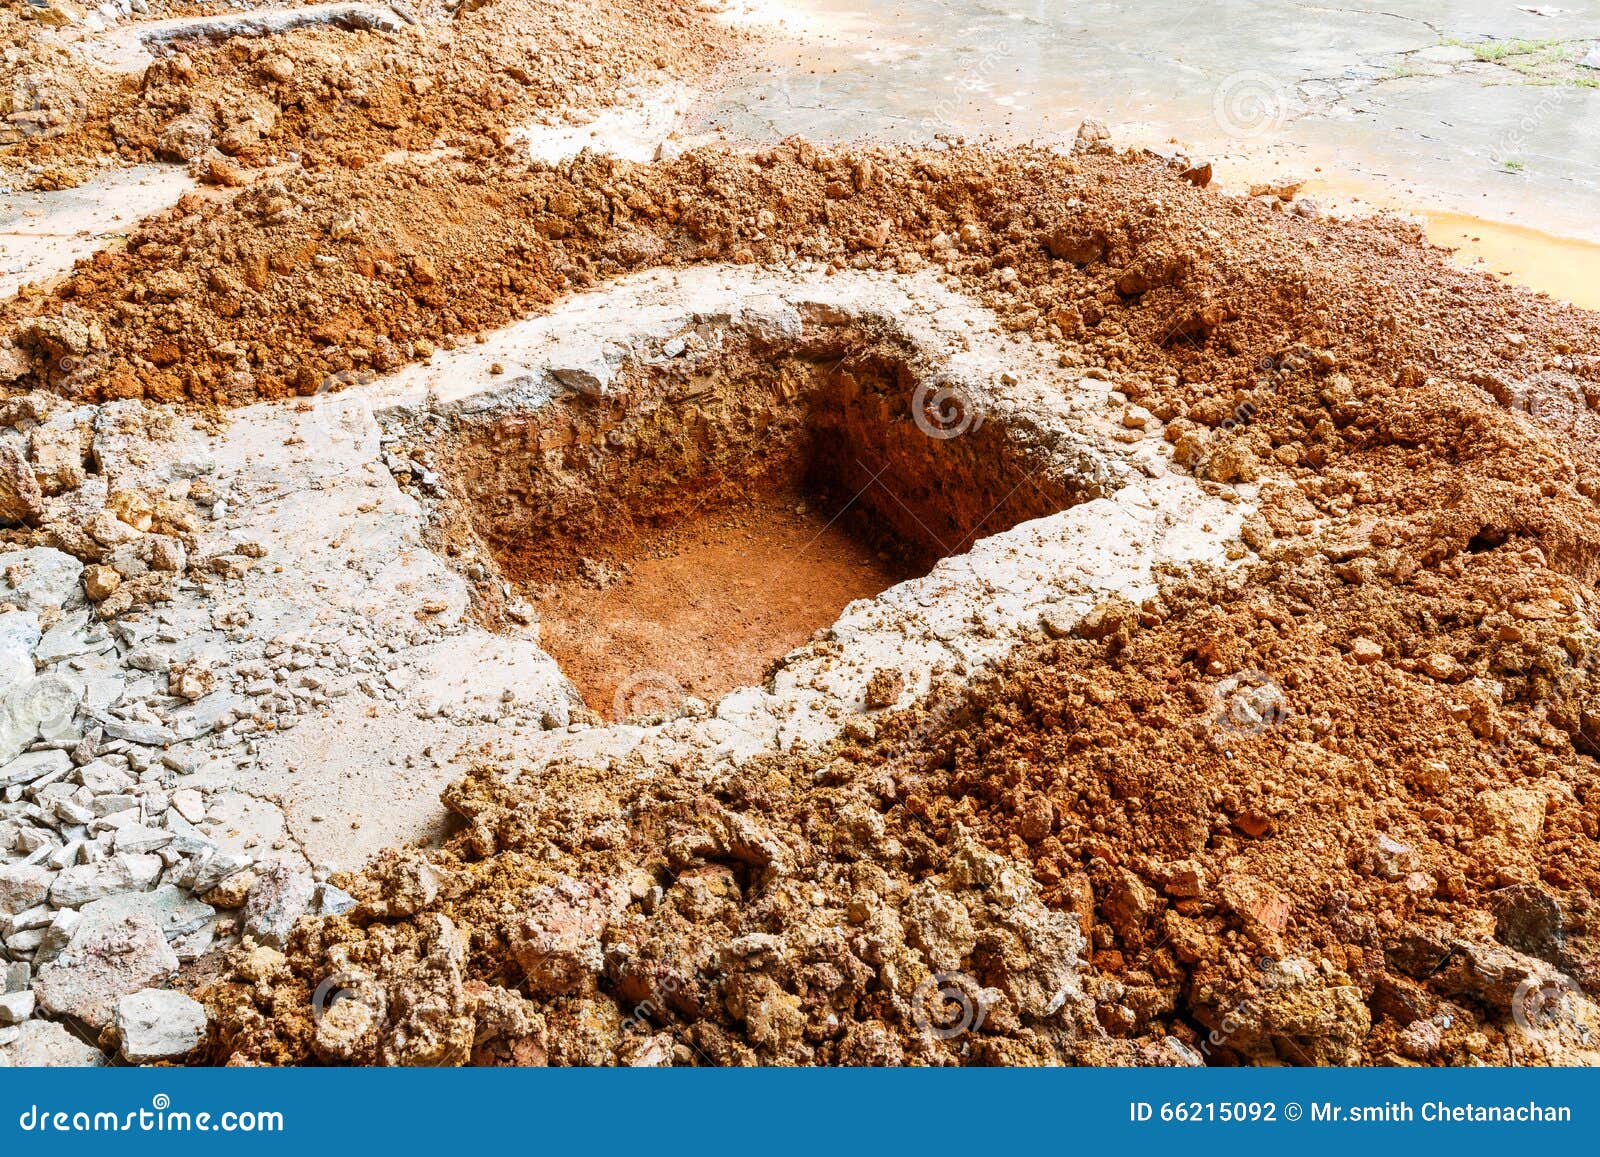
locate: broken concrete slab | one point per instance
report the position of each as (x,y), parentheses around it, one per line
(159,1025)
(105,960)
(46,1044)
(84,883)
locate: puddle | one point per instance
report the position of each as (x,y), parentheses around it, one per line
(1560,266)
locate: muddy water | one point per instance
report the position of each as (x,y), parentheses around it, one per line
(1376,107)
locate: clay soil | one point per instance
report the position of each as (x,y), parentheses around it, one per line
(705,606)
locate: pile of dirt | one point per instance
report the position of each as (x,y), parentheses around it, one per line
(1192,298)
(459,76)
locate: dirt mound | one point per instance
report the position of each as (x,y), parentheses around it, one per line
(459,76)
(1196,298)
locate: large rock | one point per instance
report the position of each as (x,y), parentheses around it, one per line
(159,1025)
(178,914)
(34,765)
(46,1044)
(43,706)
(279,897)
(38,577)
(84,883)
(1288,1014)
(106,960)
(187,138)
(22,886)
(19,638)
(58,458)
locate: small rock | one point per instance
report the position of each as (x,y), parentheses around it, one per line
(280,896)
(1439,666)
(1365,652)
(1184,879)
(1232,463)
(158,1024)
(884,688)
(1261,908)
(1111,620)
(591,376)
(21,500)
(191,681)
(137,839)
(1388,858)
(231,892)
(1530,919)
(1421,1040)
(16,1007)
(56,937)
(1092,137)
(23,886)
(187,138)
(331,901)
(189,804)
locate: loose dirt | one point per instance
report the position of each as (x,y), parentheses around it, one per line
(457,76)
(706,606)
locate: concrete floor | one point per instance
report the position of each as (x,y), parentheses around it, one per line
(1391,102)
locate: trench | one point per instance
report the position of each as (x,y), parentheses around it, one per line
(682,533)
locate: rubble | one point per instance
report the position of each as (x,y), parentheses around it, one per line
(159,1025)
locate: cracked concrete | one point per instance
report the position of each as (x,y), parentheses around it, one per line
(1266,91)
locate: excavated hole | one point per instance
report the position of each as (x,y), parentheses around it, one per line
(679,537)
